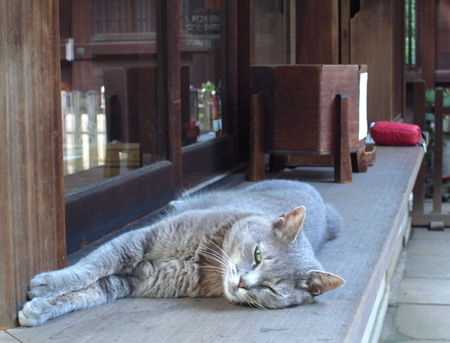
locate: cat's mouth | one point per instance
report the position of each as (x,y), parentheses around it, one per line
(234,293)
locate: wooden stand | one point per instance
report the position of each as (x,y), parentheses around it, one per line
(296,118)
(342,158)
(342,162)
(256,170)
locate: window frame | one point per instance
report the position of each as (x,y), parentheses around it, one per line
(415,72)
(101,208)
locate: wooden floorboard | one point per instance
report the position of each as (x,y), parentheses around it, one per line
(361,254)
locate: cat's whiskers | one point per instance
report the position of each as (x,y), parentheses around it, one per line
(214,268)
(256,303)
(215,255)
(221,251)
(223,265)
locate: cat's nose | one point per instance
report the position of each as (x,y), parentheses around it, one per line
(242,284)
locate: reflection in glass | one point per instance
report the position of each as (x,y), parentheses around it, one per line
(271,31)
(202,76)
(111,118)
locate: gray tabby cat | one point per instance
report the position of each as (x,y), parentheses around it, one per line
(232,243)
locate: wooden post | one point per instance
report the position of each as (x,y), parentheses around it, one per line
(169,55)
(342,158)
(32,235)
(257,166)
(419,119)
(437,152)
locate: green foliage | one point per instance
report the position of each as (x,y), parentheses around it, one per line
(430,97)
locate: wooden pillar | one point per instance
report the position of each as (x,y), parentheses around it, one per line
(168,50)
(428,41)
(245,59)
(342,158)
(32,237)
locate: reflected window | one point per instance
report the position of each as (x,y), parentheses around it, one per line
(202,69)
(112,121)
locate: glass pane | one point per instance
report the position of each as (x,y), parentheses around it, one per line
(202,70)
(271,31)
(112,122)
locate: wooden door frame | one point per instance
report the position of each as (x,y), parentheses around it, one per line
(32,236)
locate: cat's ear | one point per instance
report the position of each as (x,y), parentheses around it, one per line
(319,282)
(289,225)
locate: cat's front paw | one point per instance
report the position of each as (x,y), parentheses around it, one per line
(34,312)
(46,285)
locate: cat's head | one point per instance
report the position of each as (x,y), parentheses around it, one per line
(270,264)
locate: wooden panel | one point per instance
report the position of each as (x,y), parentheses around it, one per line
(203,160)
(372,43)
(90,213)
(317,32)
(32,201)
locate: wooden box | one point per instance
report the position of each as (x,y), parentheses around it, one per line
(300,109)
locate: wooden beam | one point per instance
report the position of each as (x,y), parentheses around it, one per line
(32,236)
(437,153)
(427,218)
(428,41)
(419,119)
(169,51)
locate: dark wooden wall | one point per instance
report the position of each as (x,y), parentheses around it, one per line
(443,42)
(357,32)
(317,32)
(32,237)
(376,33)
(427,44)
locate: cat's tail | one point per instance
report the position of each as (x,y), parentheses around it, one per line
(334,221)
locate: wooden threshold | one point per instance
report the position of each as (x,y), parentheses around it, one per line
(373,206)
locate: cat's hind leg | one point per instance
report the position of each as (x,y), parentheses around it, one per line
(38,310)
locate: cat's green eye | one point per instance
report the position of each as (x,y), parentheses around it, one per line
(257,255)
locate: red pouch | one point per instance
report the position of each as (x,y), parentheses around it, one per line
(389,133)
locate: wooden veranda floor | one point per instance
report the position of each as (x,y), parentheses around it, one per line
(374,208)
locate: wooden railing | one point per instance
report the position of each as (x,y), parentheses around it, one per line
(434,219)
